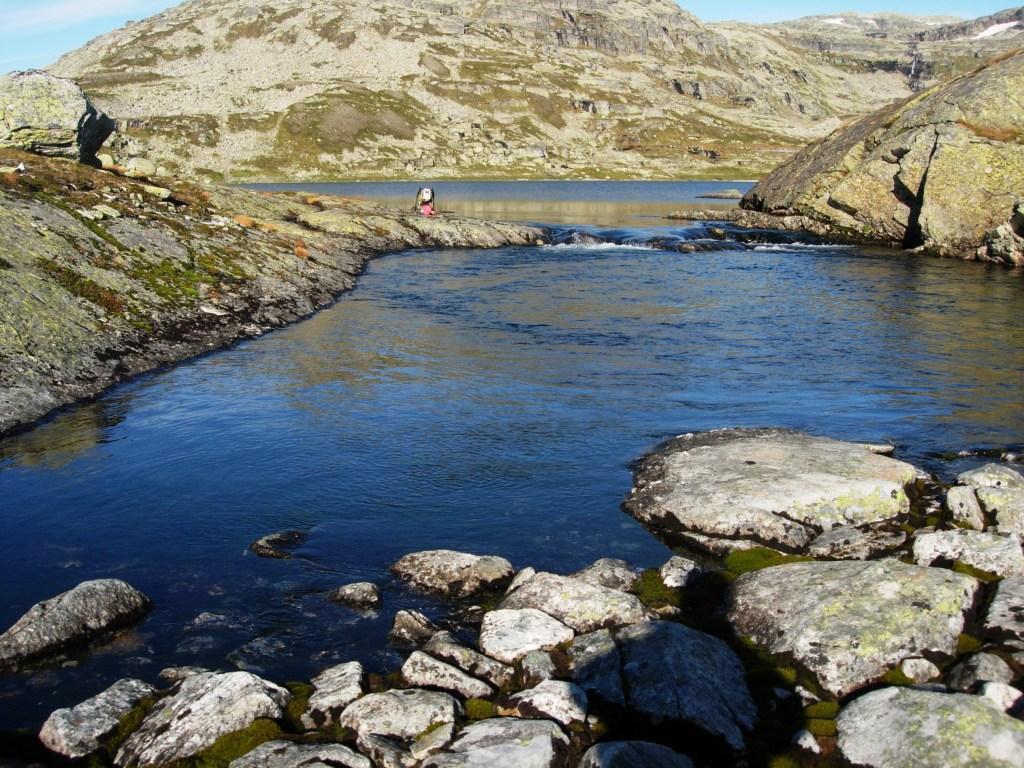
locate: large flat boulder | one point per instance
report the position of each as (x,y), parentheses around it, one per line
(205,707)
(507,742)
(453,574)
(906,728)
(50,116)
(774,487)
(578,604)
(675,673)
(71,618)
(399,714)
(508,634)
(849,622)
(82,729)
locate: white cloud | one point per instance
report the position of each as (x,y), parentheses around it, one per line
(61,14)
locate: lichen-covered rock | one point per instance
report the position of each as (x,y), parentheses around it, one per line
(411,629)
(507,635)
(847,543)
(992,476)
(71,618)
(609,572)
(536,667)
(679,573)
(360,595)
(1005,506)
(1005,618)
(849,622)
(919,670)
(565,703)
(775,487)
(908,175)
(81,730)
(995,553)
(596,666)
(399,714)
(675,673)
(1005,697)
(278,545)
(333,690)
(50,116)
(425,671)
(582,606)
(978,668)
(445,647)
(205,707)
(288,754)
(453,574)
(521,578)
(505,741)
(633,754)
(964,507)
(386,752)
(907,728)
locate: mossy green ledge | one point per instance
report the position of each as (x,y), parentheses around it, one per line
(103,277)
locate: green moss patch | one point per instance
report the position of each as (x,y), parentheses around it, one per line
(653,593)
(822,710)
(299,704)
(231,746)
(83,287)
(821,727)
(746,560)
(480,709)
(977,573)
(966,643)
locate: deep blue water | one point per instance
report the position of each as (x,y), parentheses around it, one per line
(488,401)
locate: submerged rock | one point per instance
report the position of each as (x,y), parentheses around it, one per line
(288,754)
(907,728)
(334,689)
(633,754)
(507,635)
(507,742)
(278,545)
(850,622)
(205,707)
(71,618)
(81,730)
(582,606)
(411,629)
(360,595)
(453,574)
(990,552)
(609,572)
(675,673)
(772,486)
(399,714)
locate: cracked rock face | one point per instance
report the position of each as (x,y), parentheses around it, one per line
(453,574)
(206,707)
(399,714)
(80,730)
(334,689)
(850,622)
(507,742)
(582,606)
(906,728)
(71,618)
(773,487)
(990,552)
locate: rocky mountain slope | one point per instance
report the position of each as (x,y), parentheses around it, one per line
(943,172)
(1003,25)
(347,88)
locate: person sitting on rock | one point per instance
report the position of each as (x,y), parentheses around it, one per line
(425,201)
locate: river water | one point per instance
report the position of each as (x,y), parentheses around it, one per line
(488,401)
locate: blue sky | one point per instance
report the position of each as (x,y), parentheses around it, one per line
(37,32)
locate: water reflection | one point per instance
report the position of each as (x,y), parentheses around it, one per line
(68,436)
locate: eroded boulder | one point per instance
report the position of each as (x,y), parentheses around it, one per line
(333,690)
(399,714)
(995,553)
(453,574)
(81,730)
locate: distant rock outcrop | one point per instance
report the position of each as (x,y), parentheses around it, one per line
(943,172)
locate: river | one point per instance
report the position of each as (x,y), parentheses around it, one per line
(488,401)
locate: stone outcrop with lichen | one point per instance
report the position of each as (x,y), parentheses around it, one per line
(943,172)
(102,277)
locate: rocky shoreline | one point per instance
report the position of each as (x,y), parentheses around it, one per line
(850,610)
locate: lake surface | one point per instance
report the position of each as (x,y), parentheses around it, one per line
(488,401)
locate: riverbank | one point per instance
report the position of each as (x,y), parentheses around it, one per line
(105,277)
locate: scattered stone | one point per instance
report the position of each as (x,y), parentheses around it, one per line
(427,672)
(160,193)
(679,573)
(446,648)
(206,707)
(277,545)
(521,578)
(1005,506)
(81,730)
(71,618)
(595,666)
(990,552)
(1005,618)
(557,700)
(507,742)
(536,667)
(433,741)
(847,543)
(1005,697)
(174,675)
(964,507)
(849,622)
(361,594)
(385,752)
(609,572)
(633,754)
(288,754)
(908,728)
(992,476)
(584,607)
(453,574)
(771,486)
(106,161)
(106,212)
(411,629)
(978,668)
(508,635)
(919,670)
(139,168)
(399,714)
(672,672)
(334,689)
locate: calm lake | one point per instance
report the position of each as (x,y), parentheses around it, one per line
(488,401)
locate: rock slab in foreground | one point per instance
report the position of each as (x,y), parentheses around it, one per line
(508,635)
(849,622)
(772,486)
(453,574)
(906,728)
(80,730)
(582,606)
(676,673)
(206,707)
(633,754)
(399,714)
(287,754)
(505,742)
(72,618)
